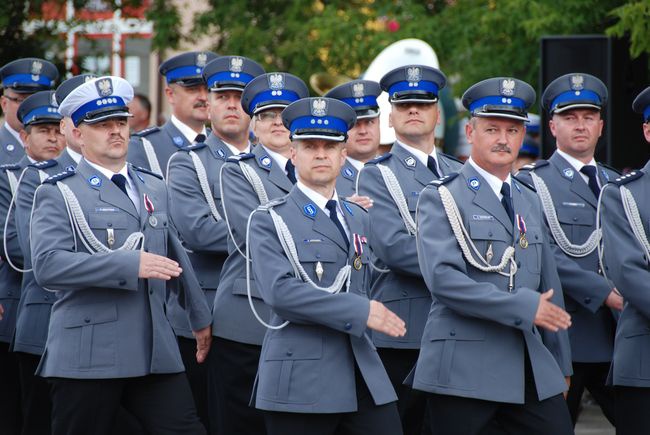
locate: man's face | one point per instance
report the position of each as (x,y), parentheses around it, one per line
(413,119)
(43,141)
(270,131)
(104,142)
(577,131)
(10,101)
(318,161)
(363,139)
(646,131)
(226,114)
(189,103)
(495,142)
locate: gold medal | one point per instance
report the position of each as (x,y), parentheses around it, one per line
(357,263)
(523,241)
(153,221)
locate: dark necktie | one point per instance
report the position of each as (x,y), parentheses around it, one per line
(591,172)
(291,171)
(507,201)
(199,138)
(431,164)
(120,181)
(331,206)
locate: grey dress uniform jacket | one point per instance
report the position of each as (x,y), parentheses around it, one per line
(10,279)
(35,302)
(204,237)
(11,150)
(401,289)
(346,182)
(108,323)
(477,331)
(627,266)
(585,289)
(232,315)
(309,365)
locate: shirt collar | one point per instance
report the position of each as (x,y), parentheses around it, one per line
(31,160)
(109,174)
(236,151)
(188,132)
(358,164)
(577,164)
(73,154)
(316,197)
(493,181)
(15,134)
(420,155)
(279,158)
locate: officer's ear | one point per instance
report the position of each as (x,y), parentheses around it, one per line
(646,131)
(169,93)
(24,134)
(469,129)
(552,126)
(390,117)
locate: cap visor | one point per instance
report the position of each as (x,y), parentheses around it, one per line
(340,138)
(502,115)
(577,106)
(413,100)
(108,115)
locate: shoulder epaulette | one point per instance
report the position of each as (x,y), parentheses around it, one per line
(240,157)
(524,183)
(272,203)
(9,167)
(379,159)
(634,175)
(146,131)
(535,165)
(450,157)
(444,180)
(195,146)
(147,171)
(44,164)
(611,168)
(60,176)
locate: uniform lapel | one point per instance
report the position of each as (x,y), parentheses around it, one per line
(321,223)
(108,191)
(485,198)
(276,174)
(143,189)
(177,138)
(577,184)
(354,226)
(420,171)
(218,149)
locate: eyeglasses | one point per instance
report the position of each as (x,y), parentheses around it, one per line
(14,99)
(268,116)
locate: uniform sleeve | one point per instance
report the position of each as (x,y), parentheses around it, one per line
(446,273)
(291,298)
(24,201)
(391,242)
(239,200)
(57,263)
(9,237)
(189,209)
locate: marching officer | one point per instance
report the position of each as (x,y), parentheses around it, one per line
(625,218)
(20,78)
(106,245)
(310,264)
(487,260)
(195,195)
(246,181)
(186,93)
(363,138)
(394,182)
(568,186)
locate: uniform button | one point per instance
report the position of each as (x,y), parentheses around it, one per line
(452,333)
(587,300)
(10,293)
(317,255)
(47,298)
(575,219)
(348,326)
(122,282)
(536,237)
(87,320)
(490,234)
(110,224)
(519,263)
(517,322)
(405,293)
(289,353)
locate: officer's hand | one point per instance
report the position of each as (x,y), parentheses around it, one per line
(2,311)
(203,342)
(364,201)
(550,316)
(383,320)
(157,266)
(614,300)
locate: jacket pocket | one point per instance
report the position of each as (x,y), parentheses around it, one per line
(91,332)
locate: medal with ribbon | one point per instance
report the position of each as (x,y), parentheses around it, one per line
(521,224)
(358,250)
(148,205)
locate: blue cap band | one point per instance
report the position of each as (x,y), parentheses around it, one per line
(570,96)
(26,79)
(319,122)
(423,85)
(50,111)
(497,100)
(228,76)
(365,101)
(269,95)
(183,72)
(646,113)
(100,103)
(529,148)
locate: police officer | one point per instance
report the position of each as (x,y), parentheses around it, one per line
(625,220)
(43,142)
(100,237)
(394,182)
(186,93)
(568,185)
(486,258)
(246,181)
(20,78)
(319,369)
(363,138)
(195,193)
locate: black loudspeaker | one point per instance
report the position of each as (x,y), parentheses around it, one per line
(622,144)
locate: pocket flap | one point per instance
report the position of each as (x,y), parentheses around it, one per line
(292,349)
(534,234)
(239,288)
(103,220)
(487,230)
(92,314)
(456,331)
(318,251)
(576,216)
